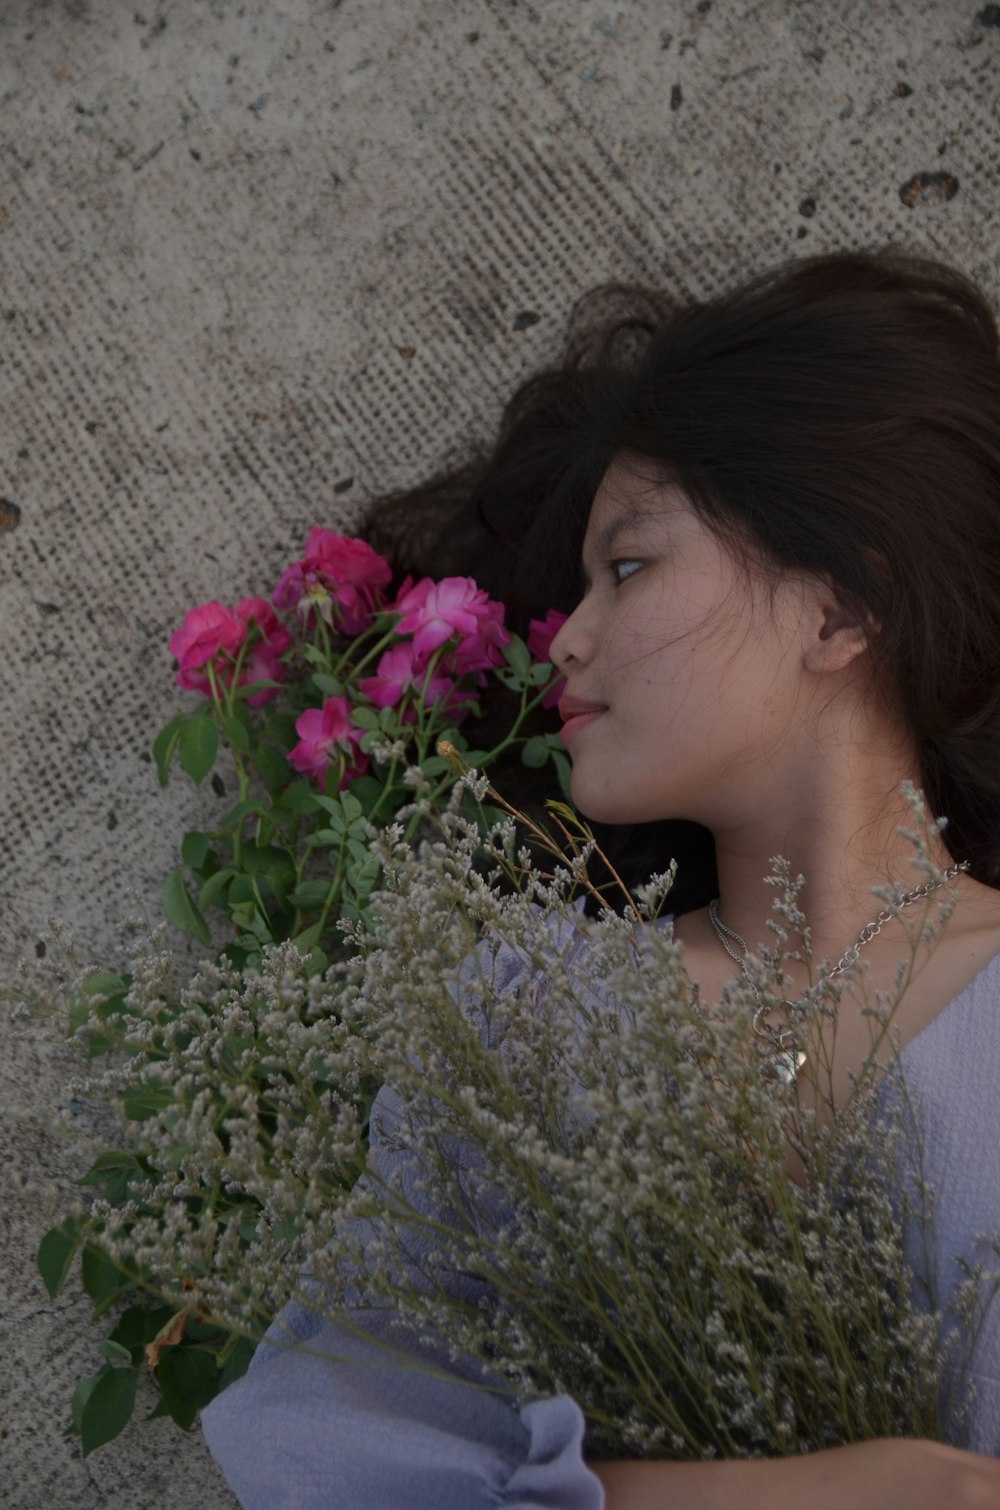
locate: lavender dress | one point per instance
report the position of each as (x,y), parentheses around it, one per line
(302,1430)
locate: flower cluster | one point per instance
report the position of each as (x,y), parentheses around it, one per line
(243,646)
(447,636)
(331,688)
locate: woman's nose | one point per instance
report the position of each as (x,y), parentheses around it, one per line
(567,647)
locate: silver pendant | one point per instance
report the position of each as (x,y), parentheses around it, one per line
(787,1064)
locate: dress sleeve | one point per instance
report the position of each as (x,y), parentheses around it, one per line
(352,1413)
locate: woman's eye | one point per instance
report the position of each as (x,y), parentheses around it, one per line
(615,568)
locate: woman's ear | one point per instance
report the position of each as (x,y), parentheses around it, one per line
(840,630)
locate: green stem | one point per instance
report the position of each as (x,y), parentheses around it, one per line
(381,644)
(334,891)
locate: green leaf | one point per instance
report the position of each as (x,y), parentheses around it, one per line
(299,798)
(165,744)
(181,908)
(108,1164)
(195,847)
(281,728)
(102,1279)
(272,767)
(351,805)
(56,1252)
(310,894)
(366,718)
(81,1395)
(247,689)
(108,1407)
(237,733)
(140,1102)
(307,939)
(436,765)
(517,656)
(198,746)
(325,837)
(535,752)
(138,1325)
(188,1378)
(328,685)
(274,864)
(104,983)
(540,673)
(242,810)
(215,886)
(114,1351)
(334,806)
(564,772)
(238,1362)
(368,790)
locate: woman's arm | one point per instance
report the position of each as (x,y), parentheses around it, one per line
(890,1474)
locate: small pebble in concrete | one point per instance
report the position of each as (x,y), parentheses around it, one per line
(526,318)
(808,208)
(989,16)
(10,514)
(676,97)
(902,90)
(344,485)
(928,188)
(41,949)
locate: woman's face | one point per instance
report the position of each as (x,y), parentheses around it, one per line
(699,679)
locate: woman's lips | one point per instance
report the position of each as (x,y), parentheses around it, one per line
(578,721)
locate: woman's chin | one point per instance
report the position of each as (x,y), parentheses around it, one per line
(599,807)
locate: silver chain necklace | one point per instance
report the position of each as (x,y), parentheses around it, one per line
(788,1058)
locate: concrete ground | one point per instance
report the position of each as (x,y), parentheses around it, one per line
(258,260)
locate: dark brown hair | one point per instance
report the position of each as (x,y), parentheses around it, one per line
(837,414)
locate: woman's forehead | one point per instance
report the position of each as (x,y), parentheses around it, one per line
(627,490)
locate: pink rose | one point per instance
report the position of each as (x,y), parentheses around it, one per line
(324,733)
(339,576)
(208,631)
(263,661)
(484,649)
(541,633)
(399,668)
(455,607)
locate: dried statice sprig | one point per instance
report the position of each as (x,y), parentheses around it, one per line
(579,1173)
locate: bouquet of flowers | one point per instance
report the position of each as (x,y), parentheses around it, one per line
(319,704)
(581,1174)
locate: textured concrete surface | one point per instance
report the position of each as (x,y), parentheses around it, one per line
(258,259)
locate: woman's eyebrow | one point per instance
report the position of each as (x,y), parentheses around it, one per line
(611,531)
